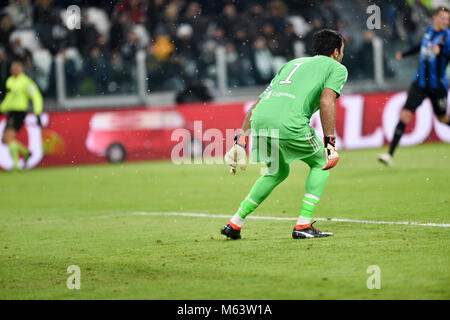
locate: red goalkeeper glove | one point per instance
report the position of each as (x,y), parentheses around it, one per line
(330,152)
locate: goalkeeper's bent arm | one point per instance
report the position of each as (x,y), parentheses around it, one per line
(328,111)
(328,119)
(246,126)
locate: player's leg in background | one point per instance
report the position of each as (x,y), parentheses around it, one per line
(444,119)
(315,184)
(8,138)
(405,117)
(439,103)
(260,191)
(416,95)
(14,123)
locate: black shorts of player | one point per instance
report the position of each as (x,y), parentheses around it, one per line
(417,94)
(15,119)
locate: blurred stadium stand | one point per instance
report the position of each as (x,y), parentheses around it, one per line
(150,52)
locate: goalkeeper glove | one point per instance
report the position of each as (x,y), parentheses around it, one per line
(236,155)
(330,152)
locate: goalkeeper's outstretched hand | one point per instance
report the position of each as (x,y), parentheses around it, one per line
(236,155)
(330,152)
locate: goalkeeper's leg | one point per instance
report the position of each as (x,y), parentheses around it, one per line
(314,186)
(260,191)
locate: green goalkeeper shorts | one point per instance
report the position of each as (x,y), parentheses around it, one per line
(267,149)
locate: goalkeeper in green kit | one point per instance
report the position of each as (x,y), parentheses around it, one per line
(19,90)
(282,133)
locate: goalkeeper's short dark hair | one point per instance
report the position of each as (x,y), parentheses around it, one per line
(325,41)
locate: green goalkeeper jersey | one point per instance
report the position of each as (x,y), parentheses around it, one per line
(19,90)
(293,96)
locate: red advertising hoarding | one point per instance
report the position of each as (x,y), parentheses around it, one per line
(144,133)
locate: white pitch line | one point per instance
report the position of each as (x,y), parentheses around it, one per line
(205,215)
(222,216)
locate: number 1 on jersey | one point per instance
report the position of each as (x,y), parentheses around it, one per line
(288,79)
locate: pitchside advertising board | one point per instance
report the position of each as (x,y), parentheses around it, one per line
(99,136)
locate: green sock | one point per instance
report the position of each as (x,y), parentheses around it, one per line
(14,150)
(308,205)
(314,186)
(247,206)
(264,186)
(22,149)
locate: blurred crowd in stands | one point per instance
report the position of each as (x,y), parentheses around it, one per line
(180,38)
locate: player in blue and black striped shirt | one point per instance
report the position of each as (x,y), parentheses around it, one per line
(430,80)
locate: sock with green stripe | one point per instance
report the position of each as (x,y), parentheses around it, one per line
(314,186)
(308,205)
(247,206)
(260,191)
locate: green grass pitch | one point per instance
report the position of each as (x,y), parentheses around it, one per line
(56,217)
